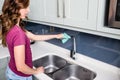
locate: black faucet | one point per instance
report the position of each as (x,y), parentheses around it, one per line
(73,50)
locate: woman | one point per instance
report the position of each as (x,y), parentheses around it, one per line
(17,39)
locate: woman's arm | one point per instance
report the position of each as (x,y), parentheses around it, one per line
(42,37)
(19,54)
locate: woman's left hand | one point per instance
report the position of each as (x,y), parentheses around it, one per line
(59,36)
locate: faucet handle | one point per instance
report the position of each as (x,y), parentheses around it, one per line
(72,53)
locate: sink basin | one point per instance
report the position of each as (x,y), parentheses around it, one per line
(51,63)
(74,72)
(59,69)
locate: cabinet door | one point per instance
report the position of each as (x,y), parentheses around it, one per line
(1,4)
(53,11)
(81,13)
(3,65)
(36,10)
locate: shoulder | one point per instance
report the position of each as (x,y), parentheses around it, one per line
(15,31)
(16,36)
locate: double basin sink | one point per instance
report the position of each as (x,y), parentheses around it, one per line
(59,69)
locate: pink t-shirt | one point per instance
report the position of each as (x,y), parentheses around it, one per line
(15,37)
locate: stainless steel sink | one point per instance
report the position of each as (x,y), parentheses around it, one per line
(51,63)
(74,72)
(59,69)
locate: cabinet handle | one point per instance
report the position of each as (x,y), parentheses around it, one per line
(64,9)
(58,15)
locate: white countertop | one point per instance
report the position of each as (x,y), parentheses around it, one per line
(103,70)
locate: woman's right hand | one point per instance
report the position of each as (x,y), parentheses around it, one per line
(40,70)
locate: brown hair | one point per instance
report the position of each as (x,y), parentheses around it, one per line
(10,15)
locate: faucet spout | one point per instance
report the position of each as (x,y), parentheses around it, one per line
(73,50)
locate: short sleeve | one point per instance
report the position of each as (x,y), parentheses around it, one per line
(19,39)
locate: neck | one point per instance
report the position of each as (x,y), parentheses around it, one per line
(18,22)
